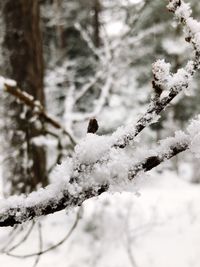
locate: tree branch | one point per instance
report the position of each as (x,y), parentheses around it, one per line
(181,78)
(72,195)
(38,109)
(82,183)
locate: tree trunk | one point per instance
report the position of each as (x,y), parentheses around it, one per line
(25,165)
(96,23)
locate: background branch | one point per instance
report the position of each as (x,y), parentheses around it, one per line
(38,109)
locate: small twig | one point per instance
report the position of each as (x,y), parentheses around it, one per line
(130,255)
(57,161)
(23,239)
(40,244)
(47,132)
(41,252)
(12,235)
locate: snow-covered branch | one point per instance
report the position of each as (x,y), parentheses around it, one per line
(73,192)
(165,83)
(36,106)
(99,163)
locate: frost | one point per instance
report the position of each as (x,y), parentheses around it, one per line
(190,67)
(193,31)
(184,11)
(193,25)
(161,71)
(181,79)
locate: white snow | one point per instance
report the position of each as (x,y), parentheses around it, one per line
(161,71)
(4,81)
(161,227)
(184,11)
(92,148)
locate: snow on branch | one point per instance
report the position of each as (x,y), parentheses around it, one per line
(167,85)
(71,193)
(10,86)
(98,164)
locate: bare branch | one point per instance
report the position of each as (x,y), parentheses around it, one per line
(21,241)
(41,252)
(40,244)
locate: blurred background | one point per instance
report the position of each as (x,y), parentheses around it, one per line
(92,58)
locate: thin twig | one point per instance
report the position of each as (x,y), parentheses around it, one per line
(40,244)
(23,239)
(41,252)
(12,235)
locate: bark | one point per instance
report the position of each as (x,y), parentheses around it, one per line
(23,62)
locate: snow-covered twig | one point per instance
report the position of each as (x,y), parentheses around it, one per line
(36,106)
(55,197)
(170,84)
(94,166)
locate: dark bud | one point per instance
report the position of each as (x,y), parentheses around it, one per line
(92,126)
(188,39)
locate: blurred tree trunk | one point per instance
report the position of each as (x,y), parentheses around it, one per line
(96,22)
(25,166)
(59,27)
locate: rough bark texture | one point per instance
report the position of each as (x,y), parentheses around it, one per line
(23,62)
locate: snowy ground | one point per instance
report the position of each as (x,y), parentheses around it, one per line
(159,228)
